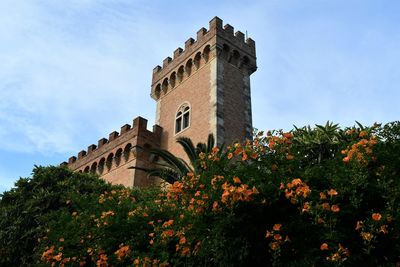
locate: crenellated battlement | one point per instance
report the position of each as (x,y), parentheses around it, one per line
(131,138)
(218,39)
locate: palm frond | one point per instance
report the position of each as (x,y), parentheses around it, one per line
(210,142)
(170,159)
(189,148)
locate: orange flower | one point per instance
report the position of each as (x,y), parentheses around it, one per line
(185,251)
(58,257)
(383,229)
(244,156)
(271,144)
(282,186)
(277,227)
(306,207)
(332,193)
(168,233)
(289,157)
(182,240)
(268,234)
(359,225)
(236,180)
(335,208)
(366,236)
(324,246)
(362,134)
(122,252)
(376,216)
(274,245)
(288,135)
(215,150)
(322,195)
(48,253)
(254,155)
(254,190)
(346,159)
(168,223)
(230,155)
(277,237)
(296,182)
(325,206)
(215,206)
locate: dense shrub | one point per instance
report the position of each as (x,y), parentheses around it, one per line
(24,210)
(320,196)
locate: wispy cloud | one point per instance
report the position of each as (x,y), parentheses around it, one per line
(61,72)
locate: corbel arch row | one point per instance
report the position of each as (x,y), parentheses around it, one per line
(115,158)
(234,57)
(183,71)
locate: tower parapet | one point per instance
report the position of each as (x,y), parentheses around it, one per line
(217,39)
(125,148)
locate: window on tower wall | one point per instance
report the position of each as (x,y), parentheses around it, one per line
(182,119)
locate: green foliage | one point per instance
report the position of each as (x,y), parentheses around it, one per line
(322,196)
(24,209)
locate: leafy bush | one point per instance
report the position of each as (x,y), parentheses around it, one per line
(320,196)
(25,208)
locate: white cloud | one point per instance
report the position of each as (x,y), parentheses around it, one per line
(57,85)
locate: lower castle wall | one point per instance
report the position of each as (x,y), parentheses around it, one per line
(112,160)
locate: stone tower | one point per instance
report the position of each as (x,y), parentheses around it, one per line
(205,88)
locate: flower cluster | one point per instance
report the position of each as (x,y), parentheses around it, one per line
(327,205)
(55,256)
(295,190)
(123,251)
(340,255)
(238,192)
(371,228)
(361,150)
(276,238)
(243,151)
(102,221)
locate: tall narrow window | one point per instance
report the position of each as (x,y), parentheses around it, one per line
(182,119)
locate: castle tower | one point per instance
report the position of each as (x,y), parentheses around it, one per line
(205,88)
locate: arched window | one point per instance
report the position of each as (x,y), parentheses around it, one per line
(182,118)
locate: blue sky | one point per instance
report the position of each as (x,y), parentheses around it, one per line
(73,71)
